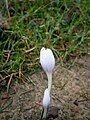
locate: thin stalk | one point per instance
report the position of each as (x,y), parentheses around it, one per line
(45,113)
(49,75)
(42,114)
(7,8)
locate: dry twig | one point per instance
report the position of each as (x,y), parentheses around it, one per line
(7,8)
(3,78)
(9,81)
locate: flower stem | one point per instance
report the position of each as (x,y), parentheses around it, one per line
(45,113)
(49,75)
(42,114)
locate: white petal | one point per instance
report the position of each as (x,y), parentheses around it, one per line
(47,59)
(46,99)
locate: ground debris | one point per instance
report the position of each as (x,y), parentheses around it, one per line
(70,91)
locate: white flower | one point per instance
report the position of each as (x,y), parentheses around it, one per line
(47,60)
(46,98)
(46,102)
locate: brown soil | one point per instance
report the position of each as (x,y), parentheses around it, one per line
(70,93)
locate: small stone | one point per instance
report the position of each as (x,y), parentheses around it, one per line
(76,102)
(52,112)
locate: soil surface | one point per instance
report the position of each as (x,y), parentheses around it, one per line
(70,94)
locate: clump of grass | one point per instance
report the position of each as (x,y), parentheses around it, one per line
(61,25)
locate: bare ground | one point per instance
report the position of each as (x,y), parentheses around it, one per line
(70,93)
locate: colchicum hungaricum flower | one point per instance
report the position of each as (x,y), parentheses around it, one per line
(46,102)
(47,61)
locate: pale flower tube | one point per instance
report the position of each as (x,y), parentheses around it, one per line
(46,102)
(47,61)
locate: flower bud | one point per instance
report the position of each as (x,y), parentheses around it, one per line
(46,98)
(47,60)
